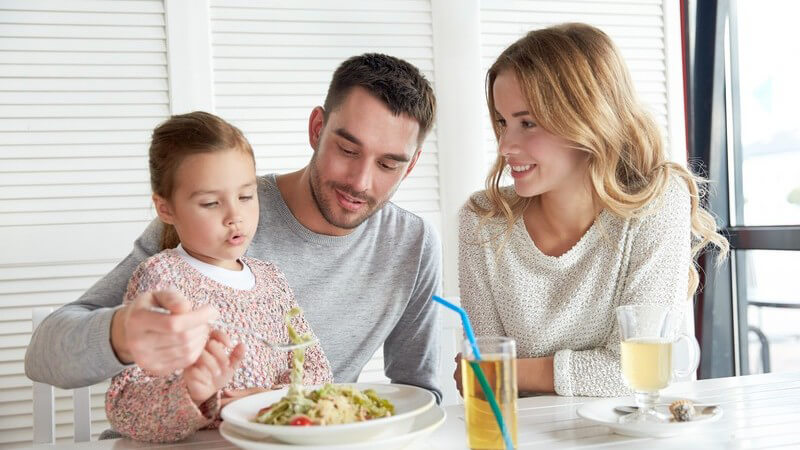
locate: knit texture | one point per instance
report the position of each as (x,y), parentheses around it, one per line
(158,408)
(565,305)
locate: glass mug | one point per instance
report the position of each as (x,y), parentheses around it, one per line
(499,365)
(648,337)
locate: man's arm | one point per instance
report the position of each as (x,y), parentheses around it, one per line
(71,348)
(411,352)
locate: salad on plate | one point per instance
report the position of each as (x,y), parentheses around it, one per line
(328,405)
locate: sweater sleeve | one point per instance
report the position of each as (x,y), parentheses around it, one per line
(71,348)
(658,274)
(474,275)
(153,408)
(156,408)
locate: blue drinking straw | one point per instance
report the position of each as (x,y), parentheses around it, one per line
(487,390)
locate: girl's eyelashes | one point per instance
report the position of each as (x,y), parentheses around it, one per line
(243,198)
(528,124)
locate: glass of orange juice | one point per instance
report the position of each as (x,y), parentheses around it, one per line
(648,336)
(499,364)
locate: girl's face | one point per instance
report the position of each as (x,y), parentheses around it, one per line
(214,206)
(538,160)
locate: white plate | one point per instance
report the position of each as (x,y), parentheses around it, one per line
(408,401)
(602,412)
(422,425)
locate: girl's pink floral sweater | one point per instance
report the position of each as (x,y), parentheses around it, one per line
(158,408)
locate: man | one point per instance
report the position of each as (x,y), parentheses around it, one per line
(362,268)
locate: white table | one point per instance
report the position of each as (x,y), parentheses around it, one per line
(760,411)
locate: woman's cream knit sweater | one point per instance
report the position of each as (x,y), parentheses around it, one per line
(564,306)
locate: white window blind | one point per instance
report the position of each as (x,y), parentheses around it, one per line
(273,61)
(82,84)
(637,27)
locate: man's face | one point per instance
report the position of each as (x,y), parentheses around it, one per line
(361,154)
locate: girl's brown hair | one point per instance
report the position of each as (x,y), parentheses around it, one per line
(577,86)
(181,136)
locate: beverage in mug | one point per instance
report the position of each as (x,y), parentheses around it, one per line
(646,363)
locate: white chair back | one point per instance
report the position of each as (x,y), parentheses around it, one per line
(44,404)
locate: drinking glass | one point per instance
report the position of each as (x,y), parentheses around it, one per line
(648,338)
(499,364)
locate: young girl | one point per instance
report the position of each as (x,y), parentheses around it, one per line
(597,217)
(205,190)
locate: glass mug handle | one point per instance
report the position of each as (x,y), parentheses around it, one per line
(694,356)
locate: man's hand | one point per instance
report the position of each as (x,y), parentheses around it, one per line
(160,343)
(214,369)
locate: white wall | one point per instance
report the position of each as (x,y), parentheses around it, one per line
(83,82)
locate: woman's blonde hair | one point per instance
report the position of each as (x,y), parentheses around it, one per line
(578,87)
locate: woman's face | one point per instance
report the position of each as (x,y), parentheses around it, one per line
(538,161)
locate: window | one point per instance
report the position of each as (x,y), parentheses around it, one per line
(746,135)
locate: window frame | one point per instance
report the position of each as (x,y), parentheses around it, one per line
(715,151)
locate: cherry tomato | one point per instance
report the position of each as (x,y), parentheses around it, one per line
(301,421)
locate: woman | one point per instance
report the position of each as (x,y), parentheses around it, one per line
(597,217)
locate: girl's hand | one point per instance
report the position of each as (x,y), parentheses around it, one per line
(229,395)
(214,369)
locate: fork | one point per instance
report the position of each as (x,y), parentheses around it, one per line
(279,347)
(220,324)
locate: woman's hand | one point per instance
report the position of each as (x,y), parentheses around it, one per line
(214,369)
(457,374)
(535,375)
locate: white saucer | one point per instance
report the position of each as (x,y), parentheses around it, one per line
(602,412)
(424,424)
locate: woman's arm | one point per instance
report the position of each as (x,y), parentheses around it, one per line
(473,277)
(535,375)
(657,274)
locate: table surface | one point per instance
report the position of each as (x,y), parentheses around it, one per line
(759,411)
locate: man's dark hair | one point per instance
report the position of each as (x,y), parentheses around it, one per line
(399,84)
